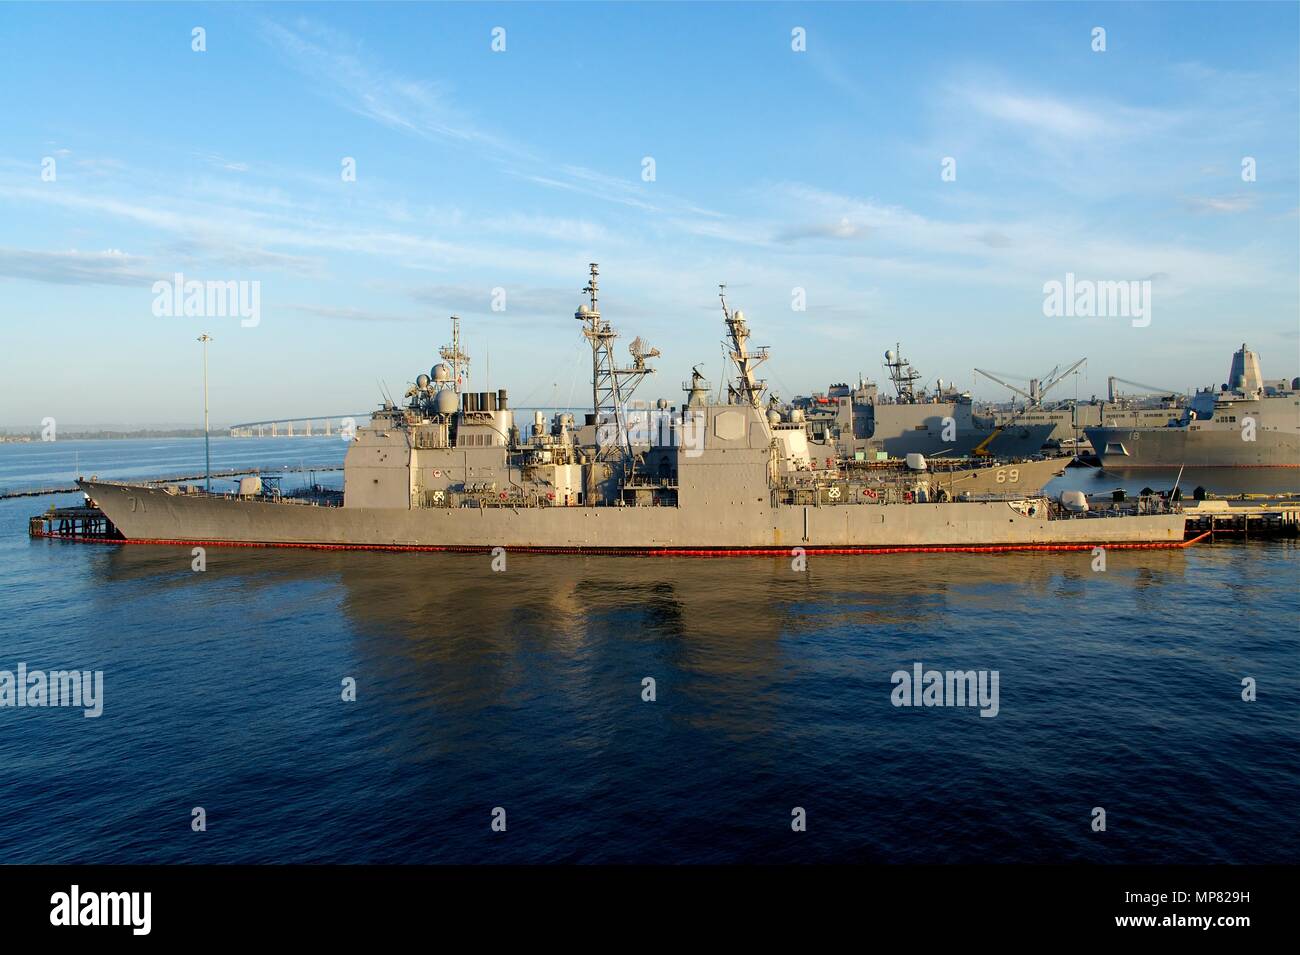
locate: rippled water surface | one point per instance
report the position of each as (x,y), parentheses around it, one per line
(522,690)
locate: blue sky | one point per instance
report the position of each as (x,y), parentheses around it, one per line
(774,170)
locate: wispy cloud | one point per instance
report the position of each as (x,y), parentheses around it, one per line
(1043,114)
(337,68)
(841,229)
(1220,204)
(424,108)
(346,314)
(110,267)
(479,300)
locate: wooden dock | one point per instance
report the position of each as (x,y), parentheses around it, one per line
(74,523)
(1244,519)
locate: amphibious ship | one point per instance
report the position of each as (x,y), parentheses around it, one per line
(1248,422)
(452,470)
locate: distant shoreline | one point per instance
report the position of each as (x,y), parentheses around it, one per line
(33,436)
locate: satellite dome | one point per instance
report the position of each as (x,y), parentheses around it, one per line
(446,402)
(441,372)
(422,382)
(889,355)
(738,315)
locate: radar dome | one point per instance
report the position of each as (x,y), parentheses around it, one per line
(422,381)
(446,402)
(738,315)
(889,355)
(441,372)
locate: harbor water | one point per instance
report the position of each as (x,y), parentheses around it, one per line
(524,689)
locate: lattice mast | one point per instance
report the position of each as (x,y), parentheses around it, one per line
(455,356)
(611,387)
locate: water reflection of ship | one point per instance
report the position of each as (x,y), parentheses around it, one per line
(705,613)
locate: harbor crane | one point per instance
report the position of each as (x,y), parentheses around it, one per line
(1038,389)
(1113,395)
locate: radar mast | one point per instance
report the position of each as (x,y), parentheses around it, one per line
(611,386)
(747,387)
(902,374)
(453,353)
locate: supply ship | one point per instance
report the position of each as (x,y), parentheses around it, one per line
(1248,422)
(453,470)
(861,421)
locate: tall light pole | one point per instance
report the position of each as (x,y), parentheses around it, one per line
(207,448)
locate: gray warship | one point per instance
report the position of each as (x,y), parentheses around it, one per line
(1248,422)
(452,470)
(860,421)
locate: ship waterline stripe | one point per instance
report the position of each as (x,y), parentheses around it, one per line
(654,551)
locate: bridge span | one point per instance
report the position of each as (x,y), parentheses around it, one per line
(298,427)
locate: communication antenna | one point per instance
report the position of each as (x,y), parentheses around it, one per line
(902,374)
(455,355)
(611,386)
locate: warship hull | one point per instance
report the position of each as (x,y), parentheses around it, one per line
(1176,447)
(901,430)
(149,514)
(1019,477)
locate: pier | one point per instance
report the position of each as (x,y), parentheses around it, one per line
(74,523)
(178,479)
(1248,519)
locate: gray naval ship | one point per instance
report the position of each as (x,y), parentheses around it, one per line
(452,470)
(861,421)
(1249,422)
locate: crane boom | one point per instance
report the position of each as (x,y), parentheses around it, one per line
(1114,392)
(1005,384)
